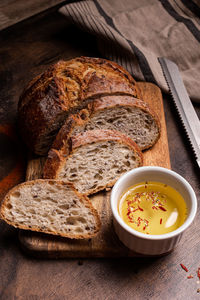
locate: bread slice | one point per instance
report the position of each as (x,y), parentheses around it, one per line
(63,88)
(94,160)
(50,206)
(126,114)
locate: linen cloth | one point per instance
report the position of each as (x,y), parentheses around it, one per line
(135,33)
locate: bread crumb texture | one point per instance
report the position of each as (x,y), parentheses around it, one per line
(98,165)
(132,121)
(51,207)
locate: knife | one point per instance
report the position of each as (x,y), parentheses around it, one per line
(183,104)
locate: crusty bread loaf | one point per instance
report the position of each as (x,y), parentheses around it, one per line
(50,206)
(94,160)
(126,114)
(63,88)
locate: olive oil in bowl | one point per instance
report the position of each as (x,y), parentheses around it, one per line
(152,208)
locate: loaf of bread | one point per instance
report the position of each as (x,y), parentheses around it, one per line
(52,207)
(63,88)
(126,114)
(94,160)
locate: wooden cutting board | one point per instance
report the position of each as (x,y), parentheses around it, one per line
(106,243)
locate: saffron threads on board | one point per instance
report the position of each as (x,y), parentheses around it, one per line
(184,267)
(198,273)
(191,276)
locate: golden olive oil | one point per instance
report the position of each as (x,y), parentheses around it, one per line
(152,208)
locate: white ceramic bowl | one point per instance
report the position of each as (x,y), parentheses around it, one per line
(140,242)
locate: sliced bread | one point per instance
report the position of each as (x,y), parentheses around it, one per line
(94,160)
(126,114)
(50,206)
(63,88)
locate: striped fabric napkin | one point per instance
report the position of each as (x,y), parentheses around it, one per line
(135,33)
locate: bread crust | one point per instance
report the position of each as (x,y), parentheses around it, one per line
(63,87)
(52,169)
(119,100)
(84,199)
(101,103)
(99,135)
(73,120)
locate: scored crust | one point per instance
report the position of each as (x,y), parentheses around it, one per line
(57,158)
(84,199)
(64,87)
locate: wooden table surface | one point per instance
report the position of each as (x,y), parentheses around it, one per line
(26,49)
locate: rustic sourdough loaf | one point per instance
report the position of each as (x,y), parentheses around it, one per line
(94,160)
(63,88)
(127,114)
(50,206)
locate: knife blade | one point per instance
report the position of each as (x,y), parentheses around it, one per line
(183,104)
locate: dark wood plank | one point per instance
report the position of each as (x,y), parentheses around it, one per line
(26,49)
(12,12)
